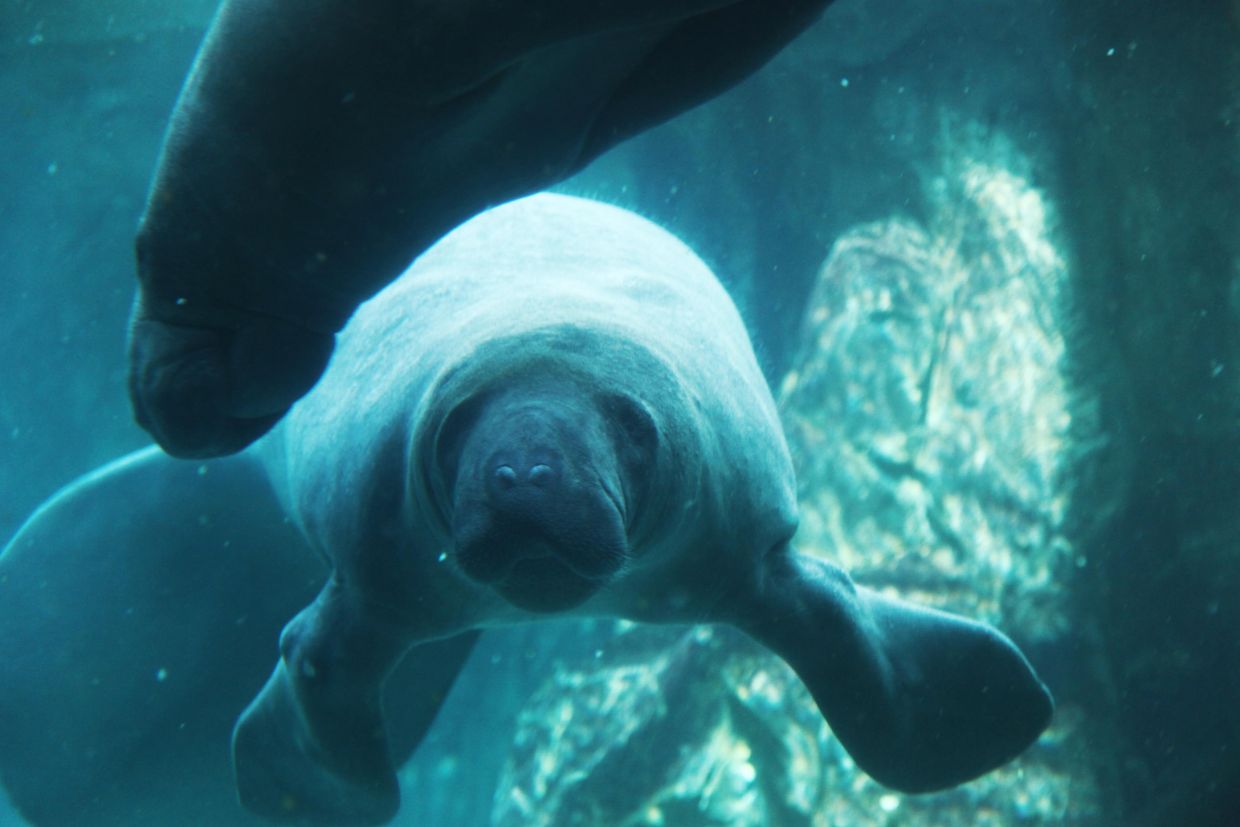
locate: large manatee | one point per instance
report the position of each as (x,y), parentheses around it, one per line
(320,145)
(556,410)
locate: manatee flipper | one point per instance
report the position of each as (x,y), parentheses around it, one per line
(138,611)
(212,389)
(921,699)
(418,686)
(314,744)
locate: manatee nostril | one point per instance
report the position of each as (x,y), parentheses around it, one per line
(505,477)
(541,475)
(509,479)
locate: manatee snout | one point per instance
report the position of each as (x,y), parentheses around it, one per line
(538,552)
(537,512)
(534,508)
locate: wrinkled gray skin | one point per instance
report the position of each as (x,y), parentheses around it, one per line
(320,145)
(556,410)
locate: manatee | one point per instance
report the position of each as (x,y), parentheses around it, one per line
(555,412)
(317,148)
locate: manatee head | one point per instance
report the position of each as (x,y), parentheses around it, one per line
(541,478)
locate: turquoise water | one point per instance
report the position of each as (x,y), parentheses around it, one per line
(1010,392)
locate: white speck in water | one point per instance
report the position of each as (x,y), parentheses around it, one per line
(202,470)
(888,803)
(182,301)
(844,82)
(443,556)
(1111,52)
(1216,369)
(161,674)
(53,168)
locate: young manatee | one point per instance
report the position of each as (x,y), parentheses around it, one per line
(319,146)
(555,411)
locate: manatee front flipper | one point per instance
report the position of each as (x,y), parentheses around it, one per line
(138,611)
(314,746)
(922,700)
(209,389)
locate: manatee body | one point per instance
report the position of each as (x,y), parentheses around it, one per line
(555,411)
(317,148)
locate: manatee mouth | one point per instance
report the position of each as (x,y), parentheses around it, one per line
(492,554)
(545,584)
(533,572)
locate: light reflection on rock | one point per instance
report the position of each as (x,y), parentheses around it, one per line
(928,409)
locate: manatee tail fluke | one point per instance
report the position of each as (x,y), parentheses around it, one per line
(922,700)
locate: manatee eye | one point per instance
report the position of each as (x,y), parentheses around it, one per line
(450,439)
(634,430)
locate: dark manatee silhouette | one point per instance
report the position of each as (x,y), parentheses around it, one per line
(556,410)
(318,147)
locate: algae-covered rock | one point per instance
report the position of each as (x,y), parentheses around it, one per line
(704,729)
(928,412)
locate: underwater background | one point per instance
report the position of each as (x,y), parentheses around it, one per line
(989,253)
